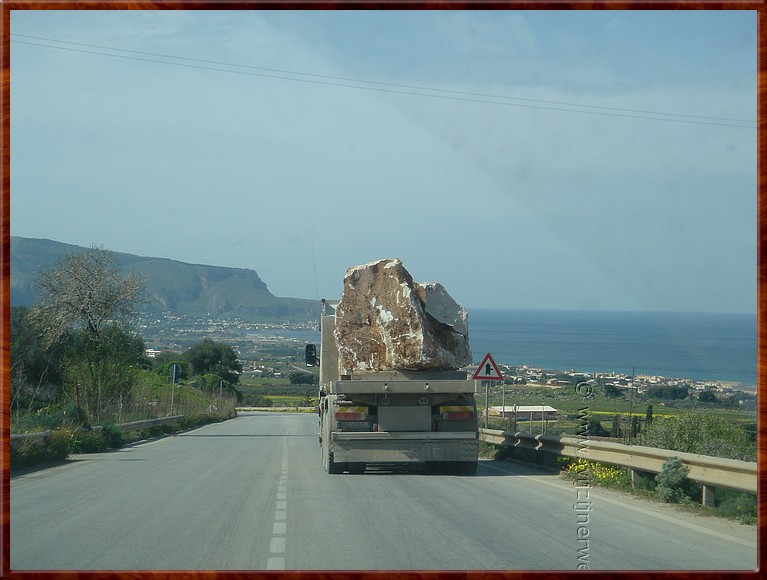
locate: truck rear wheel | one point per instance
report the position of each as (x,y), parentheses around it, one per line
(331,466)
(356,467)
(442,467)
(466,467)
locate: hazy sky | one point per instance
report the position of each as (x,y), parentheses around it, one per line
(526,159)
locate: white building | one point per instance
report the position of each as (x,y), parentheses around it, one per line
(530,412)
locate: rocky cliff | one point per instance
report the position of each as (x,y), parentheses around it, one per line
(176,287)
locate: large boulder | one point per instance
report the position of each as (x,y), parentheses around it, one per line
(385,321)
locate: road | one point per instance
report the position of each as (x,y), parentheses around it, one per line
(250,494)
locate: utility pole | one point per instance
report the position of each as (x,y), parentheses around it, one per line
(175,373)
(631,405)
(503,401)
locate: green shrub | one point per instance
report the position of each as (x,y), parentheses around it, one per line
(57,446)
(87,442)
(750,430)
(250,399)
(739,506)
(501,453)
(48,418)
(113,437)
(190,421)
(671,480)
(18,459)
(27,453)
(646,483)
(155,431)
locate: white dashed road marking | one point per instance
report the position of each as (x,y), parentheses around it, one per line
(279,542)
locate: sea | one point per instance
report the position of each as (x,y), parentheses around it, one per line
(697,346)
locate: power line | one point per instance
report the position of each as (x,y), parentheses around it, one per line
(381,86)
(416,87)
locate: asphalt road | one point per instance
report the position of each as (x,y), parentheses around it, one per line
(250,494)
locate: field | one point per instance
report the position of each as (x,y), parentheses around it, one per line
(275,391)
(569,404)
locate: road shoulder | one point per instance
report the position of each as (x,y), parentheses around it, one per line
(723,528)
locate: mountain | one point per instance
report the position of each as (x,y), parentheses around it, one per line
(172,287)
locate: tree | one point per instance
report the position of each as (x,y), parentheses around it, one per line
(35,370)
(301,378)
(164,369)
(613,391)
(100,377)
(86,304)
(210,357)
(162,360)
(648,415)
(616,430)
(669,392)
(214,385)
(595,428)
(708,397)
(84,292)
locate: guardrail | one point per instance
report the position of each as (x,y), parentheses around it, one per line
(17,438)
(711,472)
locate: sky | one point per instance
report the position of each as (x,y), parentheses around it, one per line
(600,160)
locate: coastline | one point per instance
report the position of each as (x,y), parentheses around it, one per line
(699,347)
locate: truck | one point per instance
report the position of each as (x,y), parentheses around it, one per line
(392,419)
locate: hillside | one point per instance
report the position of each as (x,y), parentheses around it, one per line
(175,287)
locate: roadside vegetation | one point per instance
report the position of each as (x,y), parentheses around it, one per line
(78,368)
(285,386)
(669,486)
(721,428)
(686,425)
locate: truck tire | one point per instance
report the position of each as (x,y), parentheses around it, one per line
(466,467)
(331,466)
(442,467)
(357,468)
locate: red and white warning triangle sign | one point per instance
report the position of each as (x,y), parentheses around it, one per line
(487,370)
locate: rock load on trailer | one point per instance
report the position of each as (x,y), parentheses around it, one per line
(386,322)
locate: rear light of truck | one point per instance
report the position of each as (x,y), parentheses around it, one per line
(351,413)
(456,412)
(458,416)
